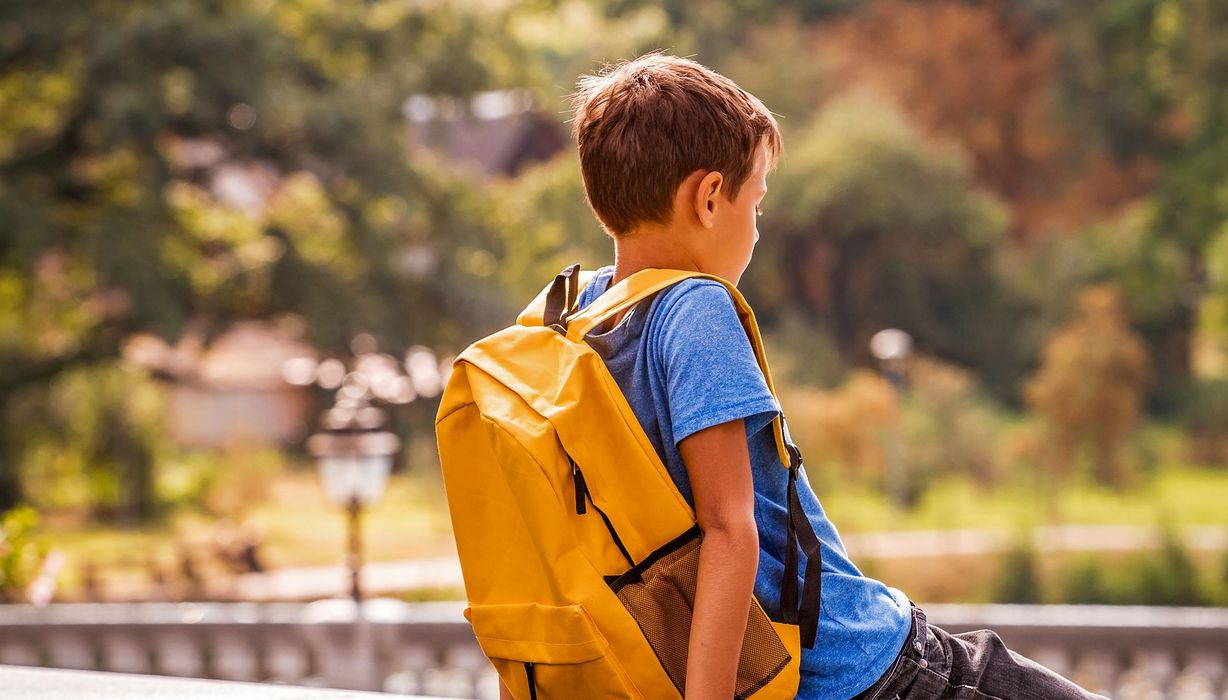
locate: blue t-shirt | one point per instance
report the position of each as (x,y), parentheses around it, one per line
(684,363)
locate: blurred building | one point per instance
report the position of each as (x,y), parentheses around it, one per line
(499,131)
(232,391)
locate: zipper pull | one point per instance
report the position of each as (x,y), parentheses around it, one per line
(581,488)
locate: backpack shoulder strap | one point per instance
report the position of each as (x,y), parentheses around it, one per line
(644,283)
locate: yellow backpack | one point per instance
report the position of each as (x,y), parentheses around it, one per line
(578,552)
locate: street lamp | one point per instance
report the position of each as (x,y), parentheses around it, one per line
(354,455)
(892,347)
(353,451)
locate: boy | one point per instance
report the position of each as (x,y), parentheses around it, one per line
(674,159)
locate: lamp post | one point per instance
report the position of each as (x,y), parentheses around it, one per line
(892,347)
(352,449)
(354,455)
(354,452)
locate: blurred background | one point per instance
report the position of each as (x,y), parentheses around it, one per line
(235,234)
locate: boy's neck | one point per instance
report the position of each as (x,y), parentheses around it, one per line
(652,247)
(649,246)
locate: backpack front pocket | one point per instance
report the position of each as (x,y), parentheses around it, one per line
(659,592)
(547,652)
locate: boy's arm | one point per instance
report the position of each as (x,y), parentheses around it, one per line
(717,461)
(504,693)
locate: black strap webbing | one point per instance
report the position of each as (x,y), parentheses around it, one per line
(788,587)
(799,532)
(562,297)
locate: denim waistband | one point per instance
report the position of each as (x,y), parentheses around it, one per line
(914,645)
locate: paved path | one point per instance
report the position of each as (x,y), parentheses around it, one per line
(304,583)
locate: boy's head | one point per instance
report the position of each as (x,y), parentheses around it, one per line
(646,128)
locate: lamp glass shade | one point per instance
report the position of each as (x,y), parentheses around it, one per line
(349,477)
(891,344)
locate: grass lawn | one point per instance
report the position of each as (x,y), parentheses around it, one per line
(300,528)
(297,524)
(1181,495)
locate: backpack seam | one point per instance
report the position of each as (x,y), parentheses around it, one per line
(449,414)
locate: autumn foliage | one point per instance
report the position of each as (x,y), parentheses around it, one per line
(985,76)
(1090,386)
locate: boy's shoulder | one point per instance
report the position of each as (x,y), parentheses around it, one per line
(697,300)
(696,316)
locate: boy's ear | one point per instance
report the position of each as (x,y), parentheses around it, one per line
(706,196)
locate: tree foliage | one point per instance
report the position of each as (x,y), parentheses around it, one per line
(1089,388)
(21,552)
(869,227)
(215,161)
(991,85)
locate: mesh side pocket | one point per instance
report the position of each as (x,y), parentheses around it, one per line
(659,592)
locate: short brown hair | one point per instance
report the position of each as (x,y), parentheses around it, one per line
(643,126)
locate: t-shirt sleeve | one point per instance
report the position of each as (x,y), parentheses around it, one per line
(710,370)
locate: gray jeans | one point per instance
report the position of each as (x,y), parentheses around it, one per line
(967,666)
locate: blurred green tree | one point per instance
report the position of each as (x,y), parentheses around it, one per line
(1018,577)
(1165,577)
(951,427)
(162,162)
(1205,418)
(1044,279)
(1071,111)
(21,553)
(866,227)
(1149,79)
(1084,582)
(543,224)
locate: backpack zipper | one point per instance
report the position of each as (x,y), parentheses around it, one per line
(532,678)
(582,493)
(581,488)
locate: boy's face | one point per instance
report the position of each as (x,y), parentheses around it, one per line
(731,241)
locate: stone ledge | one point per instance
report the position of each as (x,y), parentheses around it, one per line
(27,683)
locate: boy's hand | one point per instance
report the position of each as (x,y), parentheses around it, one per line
(718,463)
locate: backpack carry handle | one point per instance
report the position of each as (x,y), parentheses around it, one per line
(561,298)
(534,314)
(649,281)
